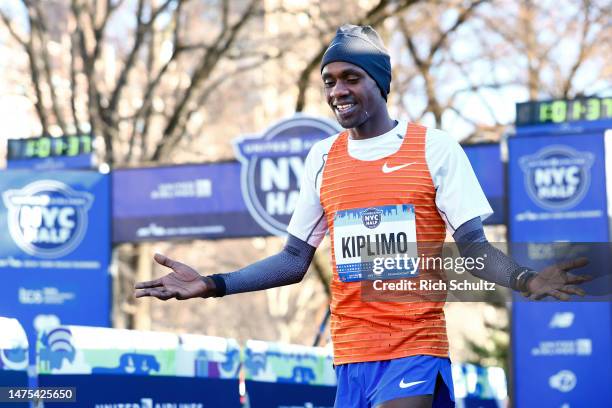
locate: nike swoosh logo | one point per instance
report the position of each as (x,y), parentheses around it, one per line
(386,169)
(402,384)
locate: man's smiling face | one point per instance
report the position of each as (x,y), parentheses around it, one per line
(351,93)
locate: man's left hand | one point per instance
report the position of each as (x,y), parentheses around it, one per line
(556,281)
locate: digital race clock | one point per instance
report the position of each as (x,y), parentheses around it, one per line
(563,110)
(49,147)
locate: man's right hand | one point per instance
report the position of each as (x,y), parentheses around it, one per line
(182,283)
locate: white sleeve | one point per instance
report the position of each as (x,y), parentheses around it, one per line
(459,197)
(308,221)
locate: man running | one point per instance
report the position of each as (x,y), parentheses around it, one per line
(377,187)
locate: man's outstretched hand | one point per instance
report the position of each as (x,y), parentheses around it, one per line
(557,282)
(182,283)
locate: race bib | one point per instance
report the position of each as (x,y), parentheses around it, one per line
(376,243)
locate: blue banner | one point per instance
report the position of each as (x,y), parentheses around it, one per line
(191,201)
(276,395)
(81,161)
(564,128)
(55,251)
(489,168)
(562,354)
(103,391)
(557,194)
(557,186)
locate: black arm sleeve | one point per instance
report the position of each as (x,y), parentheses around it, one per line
(498,268)
(285,268)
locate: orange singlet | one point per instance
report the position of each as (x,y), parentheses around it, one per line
(383,330)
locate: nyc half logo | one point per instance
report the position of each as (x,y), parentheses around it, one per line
(371,217)
(557,177)
(272,164)
(47,218)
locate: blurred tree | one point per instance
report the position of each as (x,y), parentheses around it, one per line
(133,72)
(460,64)
(495,351)
(148,75)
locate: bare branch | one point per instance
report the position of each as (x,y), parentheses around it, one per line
(28,46)
(94,100)
(35,73)
(73,84)
(142,29)
(224,14)
(208,91)
(145,111)
(40,29)
(424,67)
(88,62)
(475,89)
(584,49)
(213,56)
(461,19)
(12,32)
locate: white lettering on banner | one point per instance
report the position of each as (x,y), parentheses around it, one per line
(561,320)
(148,403)
(47,218)
(30,297)
(199,188)
(578,347)
(203,188)
(154,230)
(47,296)
(39,224)
(557,182)
(564,381)
(557,177)
(276,174)
(531,216)
(47,264)
(280,203)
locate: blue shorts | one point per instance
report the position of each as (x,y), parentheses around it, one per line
(366,385)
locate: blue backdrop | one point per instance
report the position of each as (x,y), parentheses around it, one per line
(188,201)
(55,251)
(558,194)
(489,168)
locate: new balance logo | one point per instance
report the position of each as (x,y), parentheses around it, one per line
(561,320)
(390,169)
(402,384)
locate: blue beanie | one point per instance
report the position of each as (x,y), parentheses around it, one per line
(362,46)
